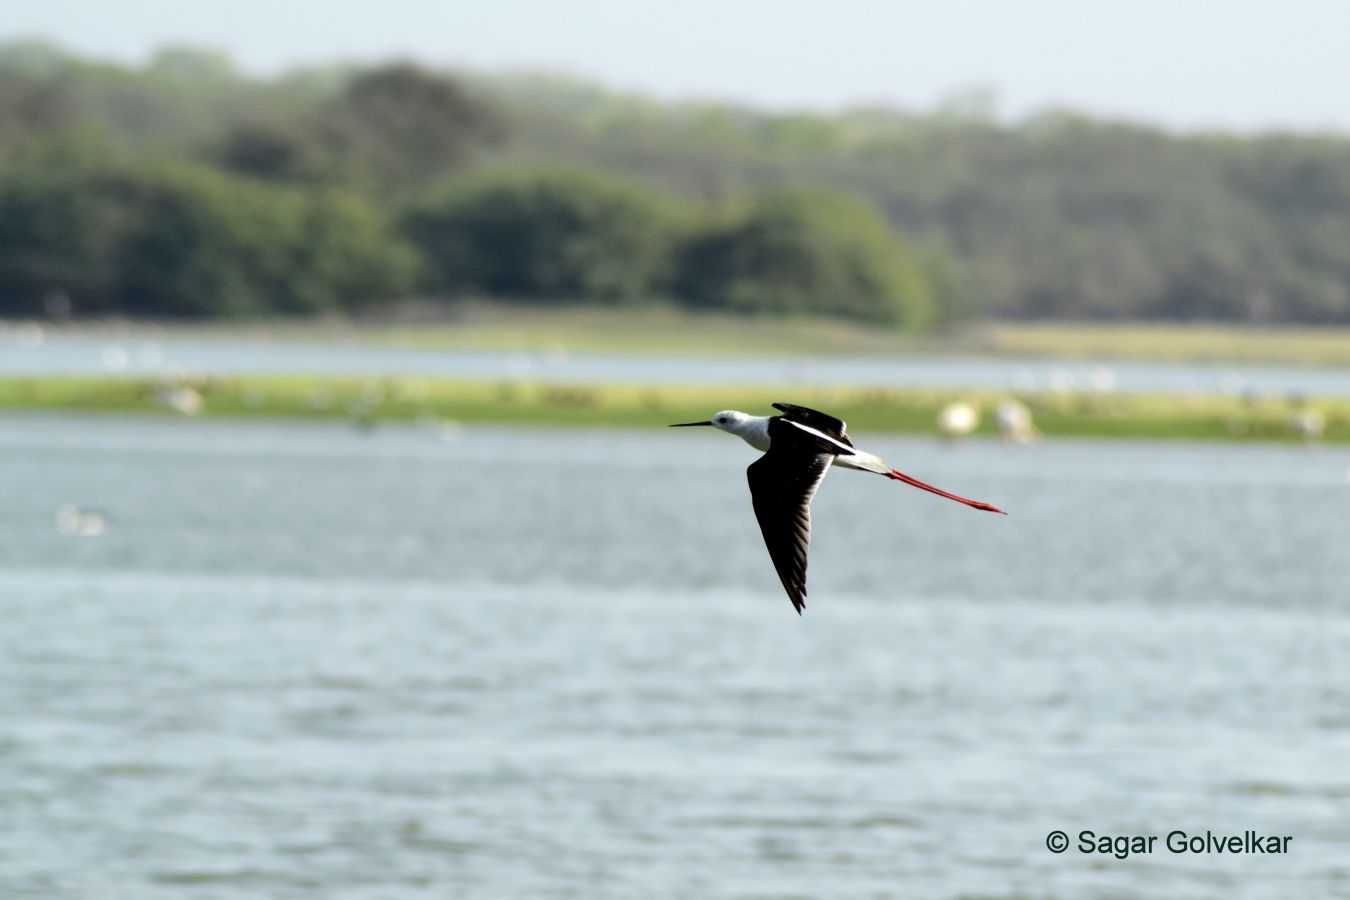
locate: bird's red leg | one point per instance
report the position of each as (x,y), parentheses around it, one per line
(910,480)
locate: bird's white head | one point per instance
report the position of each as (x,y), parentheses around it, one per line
(754,430)
(730,420)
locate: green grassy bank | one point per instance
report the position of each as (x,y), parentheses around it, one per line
(866,409)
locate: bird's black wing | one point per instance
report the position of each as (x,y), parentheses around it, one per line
(822,422)
(782,483)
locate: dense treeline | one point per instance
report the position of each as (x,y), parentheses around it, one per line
(170,241)
(185,189)
(546,235)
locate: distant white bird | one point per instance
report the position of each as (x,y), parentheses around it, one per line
(1014,422)
(448,430)
(75,522)
(799,447)
(1102,380)
(958,419)
(182,399)
(1308,423)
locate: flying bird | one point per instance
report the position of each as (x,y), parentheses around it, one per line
(799,447)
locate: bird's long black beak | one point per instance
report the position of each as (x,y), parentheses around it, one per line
(689,424)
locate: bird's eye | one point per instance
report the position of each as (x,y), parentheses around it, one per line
(722,420)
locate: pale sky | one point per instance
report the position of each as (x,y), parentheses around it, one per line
(1190,64)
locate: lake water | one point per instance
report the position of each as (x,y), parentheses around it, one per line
(308,662)
(78,353)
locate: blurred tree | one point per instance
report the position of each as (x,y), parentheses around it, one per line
(347,257)
(1211,286)
(34,57)
(180,241)
(1058,216)
(38,115)
(547,236)
(399,125)
(58,234)
(807,252)
(209,245)
(275,151)
(191,63)
(33,106)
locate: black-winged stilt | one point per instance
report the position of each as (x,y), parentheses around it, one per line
(799,447)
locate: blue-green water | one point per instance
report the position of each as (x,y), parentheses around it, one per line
(62,352)
(306,661)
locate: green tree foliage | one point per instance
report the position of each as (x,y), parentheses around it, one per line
(182,241)
(1058,216)
(32,110)
(190,63)
(277,150)
(58,235)
(547,236)
(807,252)
(400,125)
(393,127)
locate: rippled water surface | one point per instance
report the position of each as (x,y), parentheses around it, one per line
(304,661)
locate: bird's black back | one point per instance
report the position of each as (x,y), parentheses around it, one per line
(814,418)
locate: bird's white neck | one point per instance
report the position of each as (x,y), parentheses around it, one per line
(754,430)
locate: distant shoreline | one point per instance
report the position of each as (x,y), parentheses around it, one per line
(500,326)
(369,400)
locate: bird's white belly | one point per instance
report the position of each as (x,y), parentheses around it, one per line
(863,460)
